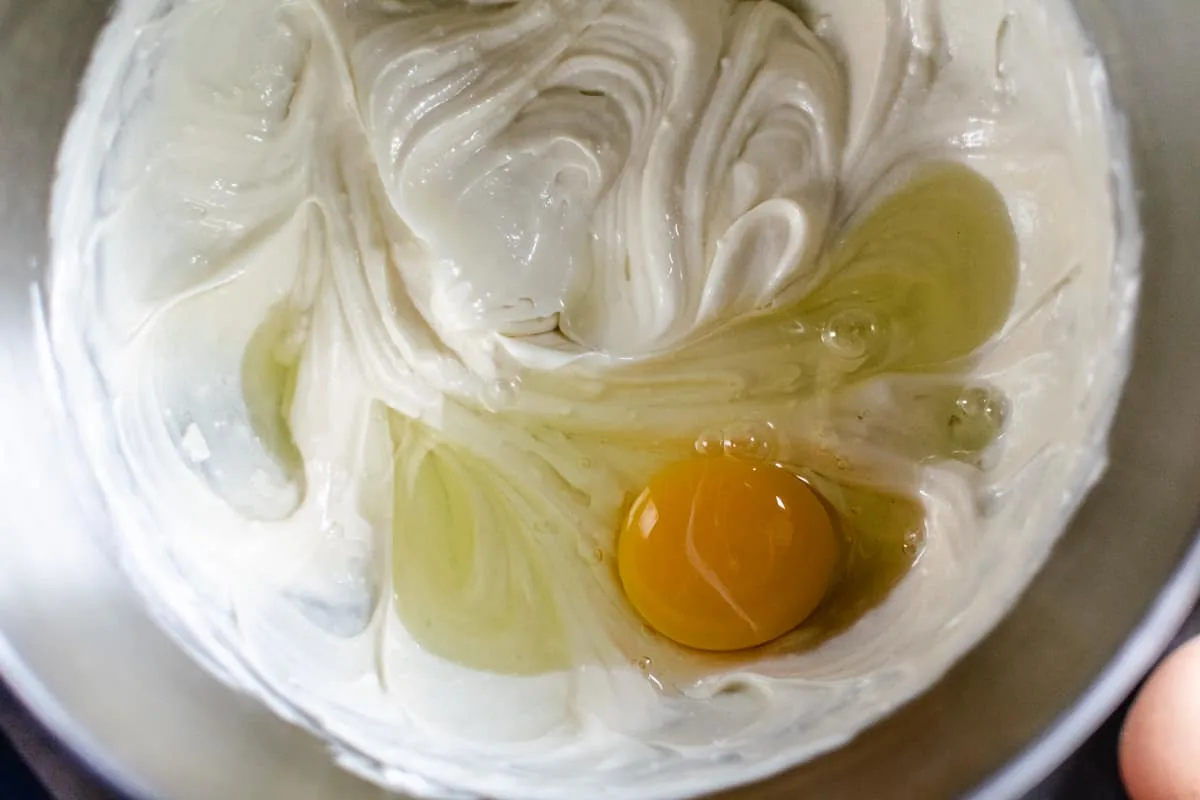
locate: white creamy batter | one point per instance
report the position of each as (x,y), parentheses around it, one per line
(459,243)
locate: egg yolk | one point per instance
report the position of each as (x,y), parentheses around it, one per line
(722,554)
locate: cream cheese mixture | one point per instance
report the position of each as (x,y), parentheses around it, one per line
(373,313)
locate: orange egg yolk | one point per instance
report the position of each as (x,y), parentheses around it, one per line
(722,554)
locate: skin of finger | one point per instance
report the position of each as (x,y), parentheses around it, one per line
(1160,743)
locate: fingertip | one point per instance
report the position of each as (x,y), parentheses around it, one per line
(1160,742)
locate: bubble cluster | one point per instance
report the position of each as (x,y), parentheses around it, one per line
(758,441)
(977,419)
(913,541)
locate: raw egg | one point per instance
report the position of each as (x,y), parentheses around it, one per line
(723,554)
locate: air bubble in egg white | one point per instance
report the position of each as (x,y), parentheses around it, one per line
(912,543)
(851,334)
(501,393)
(979,416)
(758,441)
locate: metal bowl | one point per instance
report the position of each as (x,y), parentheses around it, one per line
(76,646)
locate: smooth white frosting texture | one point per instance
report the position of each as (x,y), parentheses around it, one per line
(485,257)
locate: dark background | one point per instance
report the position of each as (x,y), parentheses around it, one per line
(34,767)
